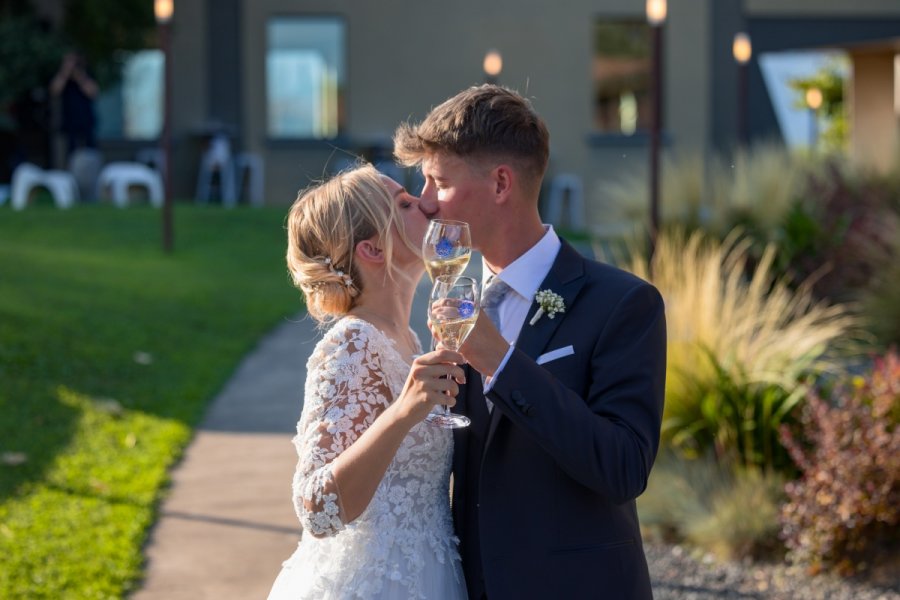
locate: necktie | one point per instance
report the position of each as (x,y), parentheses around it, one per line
(491,297)
(494,293)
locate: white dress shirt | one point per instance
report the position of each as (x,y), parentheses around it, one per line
(524,275)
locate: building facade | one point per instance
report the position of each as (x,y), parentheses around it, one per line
(308,84)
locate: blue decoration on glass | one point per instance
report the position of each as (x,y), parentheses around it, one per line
(444,248)
(466,309)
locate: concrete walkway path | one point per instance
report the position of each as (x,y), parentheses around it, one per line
(228,522)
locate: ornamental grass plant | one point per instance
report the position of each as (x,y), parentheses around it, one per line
(743,347)
(757,189)
(729,513)
(881,304)
(682,203)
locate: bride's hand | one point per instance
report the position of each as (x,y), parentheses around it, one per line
(434,378)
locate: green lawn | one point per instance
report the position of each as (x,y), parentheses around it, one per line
(109,353)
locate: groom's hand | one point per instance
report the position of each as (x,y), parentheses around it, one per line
(484,348)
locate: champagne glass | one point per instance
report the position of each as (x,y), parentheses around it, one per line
(453,310)
(446,248)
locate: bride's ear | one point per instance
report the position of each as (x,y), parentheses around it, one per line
(369,251)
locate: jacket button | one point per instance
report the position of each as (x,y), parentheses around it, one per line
(517,396)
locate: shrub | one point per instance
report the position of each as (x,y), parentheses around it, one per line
(833,226)
(881,304)
(730,513)
(743,517)
(846,506)
(740,351)
(756,189)
(682,203)
(856,233)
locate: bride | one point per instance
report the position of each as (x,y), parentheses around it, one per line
(371,484)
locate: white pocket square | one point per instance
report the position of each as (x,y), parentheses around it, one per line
(554,354)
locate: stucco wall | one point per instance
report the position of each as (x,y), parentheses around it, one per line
(405,57)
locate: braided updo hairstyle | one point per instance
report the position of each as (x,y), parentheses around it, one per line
(324,225)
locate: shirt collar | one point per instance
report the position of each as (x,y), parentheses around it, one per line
(525,274)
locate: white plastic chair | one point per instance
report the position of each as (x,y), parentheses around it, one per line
(119,176)
(85,165)
(249,166)
(217,159)
(61,185)
(154,158)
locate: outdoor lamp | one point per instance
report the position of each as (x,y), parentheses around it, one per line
(814,98)
(493,64)
(163,9)
(656,12)
(814,102)
(742,48)
(656,16)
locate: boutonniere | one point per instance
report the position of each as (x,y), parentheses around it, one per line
(548,302)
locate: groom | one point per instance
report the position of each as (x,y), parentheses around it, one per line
(565,427)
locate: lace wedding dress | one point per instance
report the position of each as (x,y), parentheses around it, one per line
(402,545)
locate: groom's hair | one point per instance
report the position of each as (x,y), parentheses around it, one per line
(482,122)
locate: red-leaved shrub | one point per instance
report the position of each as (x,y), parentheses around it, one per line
(844,511)
(857,224)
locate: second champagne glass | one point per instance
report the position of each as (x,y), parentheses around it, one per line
(453,310)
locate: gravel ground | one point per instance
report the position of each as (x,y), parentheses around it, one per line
(677,575)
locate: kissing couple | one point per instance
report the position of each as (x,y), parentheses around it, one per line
(565,411)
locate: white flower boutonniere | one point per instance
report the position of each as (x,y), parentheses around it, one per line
(549,303)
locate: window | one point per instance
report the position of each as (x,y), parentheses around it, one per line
(305,77)
(621,74)
(133,108)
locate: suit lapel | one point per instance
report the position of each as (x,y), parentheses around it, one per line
(566,278)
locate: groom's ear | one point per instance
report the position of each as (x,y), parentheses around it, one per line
(369,251)
(503,177)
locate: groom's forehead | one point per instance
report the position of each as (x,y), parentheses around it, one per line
(443,163)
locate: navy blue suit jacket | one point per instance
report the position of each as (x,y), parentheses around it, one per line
(545,485)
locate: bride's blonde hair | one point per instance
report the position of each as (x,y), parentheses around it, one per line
(324,225)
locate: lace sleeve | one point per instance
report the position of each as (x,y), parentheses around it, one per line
(345,391)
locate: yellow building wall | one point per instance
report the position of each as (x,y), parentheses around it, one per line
(403,58)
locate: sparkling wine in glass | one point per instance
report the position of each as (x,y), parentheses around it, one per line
(446,248)
(453,310)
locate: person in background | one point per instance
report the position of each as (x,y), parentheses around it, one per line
(77,90)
